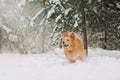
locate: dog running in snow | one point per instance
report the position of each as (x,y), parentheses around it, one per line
(73,47)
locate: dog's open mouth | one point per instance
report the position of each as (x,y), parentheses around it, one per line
(66,45)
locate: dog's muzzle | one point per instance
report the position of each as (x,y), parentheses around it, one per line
(65,45)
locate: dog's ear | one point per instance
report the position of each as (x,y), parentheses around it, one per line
(65,34)
(72,35)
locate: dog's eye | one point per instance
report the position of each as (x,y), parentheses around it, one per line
(67,39)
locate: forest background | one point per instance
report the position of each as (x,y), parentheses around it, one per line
(36,26)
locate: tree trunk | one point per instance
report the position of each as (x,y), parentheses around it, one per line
(0,40)
(84,26)
(43,34)
(105,38)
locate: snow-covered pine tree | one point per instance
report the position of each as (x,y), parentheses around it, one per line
(18,36)
(104,17)
(67,16)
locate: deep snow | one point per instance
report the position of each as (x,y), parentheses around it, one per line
(99,65)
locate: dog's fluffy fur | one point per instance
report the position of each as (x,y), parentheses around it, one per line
(73,47)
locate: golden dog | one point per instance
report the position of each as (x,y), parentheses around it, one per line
(73,47)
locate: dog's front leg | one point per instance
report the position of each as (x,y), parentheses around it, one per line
(72,61)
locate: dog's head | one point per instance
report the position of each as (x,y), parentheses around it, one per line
(67,39)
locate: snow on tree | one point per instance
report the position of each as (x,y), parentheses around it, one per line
(17,33)
(99,14)
(26,25)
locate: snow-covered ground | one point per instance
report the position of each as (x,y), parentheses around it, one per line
(99,65)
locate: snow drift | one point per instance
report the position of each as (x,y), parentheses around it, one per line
(99,65)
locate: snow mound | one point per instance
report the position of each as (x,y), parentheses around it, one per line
(99,65)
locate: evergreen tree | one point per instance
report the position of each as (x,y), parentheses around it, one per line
(68,16)
(65,13)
